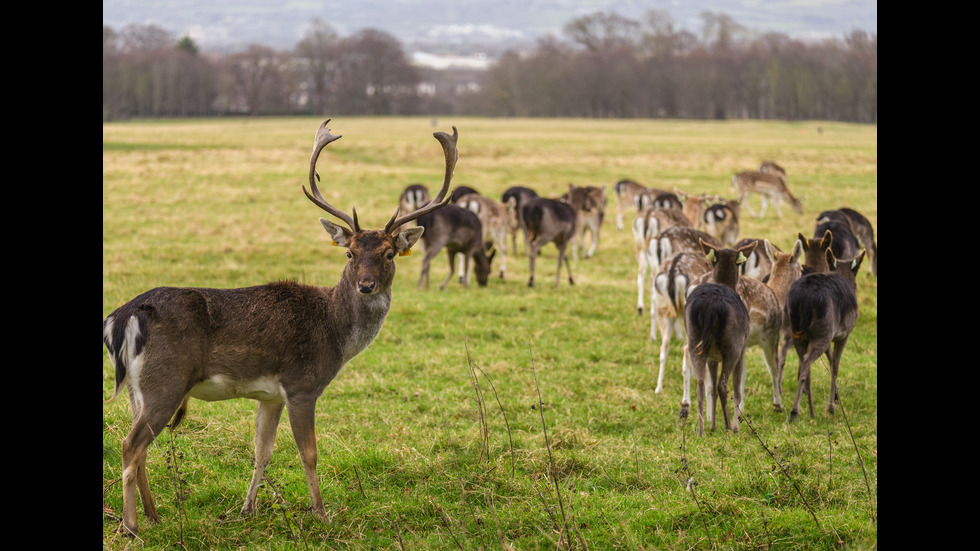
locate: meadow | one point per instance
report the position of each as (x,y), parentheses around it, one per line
(497,417)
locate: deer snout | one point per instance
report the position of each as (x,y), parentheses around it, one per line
(367,286)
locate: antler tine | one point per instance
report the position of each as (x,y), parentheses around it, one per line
(443,197)
(322,139)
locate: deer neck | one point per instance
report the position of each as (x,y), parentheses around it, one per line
(357,318)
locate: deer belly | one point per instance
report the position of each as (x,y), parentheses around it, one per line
(221,387)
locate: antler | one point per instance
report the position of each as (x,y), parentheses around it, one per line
(322,139)
(442,199)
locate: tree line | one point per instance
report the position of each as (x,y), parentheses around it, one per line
(603,65)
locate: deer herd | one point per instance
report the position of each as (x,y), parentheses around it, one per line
(282,343)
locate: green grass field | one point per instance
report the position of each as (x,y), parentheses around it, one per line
(434,437)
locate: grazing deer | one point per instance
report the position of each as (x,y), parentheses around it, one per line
(784,271)
(589,203)
(626,192)
(718,326)
(514,198)
(280,344)
(822,309)
(647,225)
(549,221)
(669,295)
(861,228)
(460,232)
(771,167)
(769,186)
(720,221)
(494,217)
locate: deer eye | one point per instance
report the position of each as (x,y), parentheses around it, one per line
(390,255)
(349,255)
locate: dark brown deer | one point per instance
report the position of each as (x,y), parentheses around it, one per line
(717,325)
(860,227)
(822,309)
(549,221)
(460,232)
(279,344)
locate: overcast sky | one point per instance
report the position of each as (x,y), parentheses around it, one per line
(280,24)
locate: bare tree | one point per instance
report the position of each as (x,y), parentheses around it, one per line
(318,50)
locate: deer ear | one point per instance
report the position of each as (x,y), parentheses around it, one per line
(339,234)
(406,238)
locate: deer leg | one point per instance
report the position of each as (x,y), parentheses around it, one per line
(266,422)
(686,367)
(562,256)
(665,334)
(151,419)
(641,260)
(769,353)
(430,253)
(452,270)
(301,419)
(834,368)
(738,381)
(711,389)
(532,251)
(765,204)
(721,389)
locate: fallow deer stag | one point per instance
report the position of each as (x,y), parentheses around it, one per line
(279,344)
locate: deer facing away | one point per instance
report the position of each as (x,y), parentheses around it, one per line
(279,344)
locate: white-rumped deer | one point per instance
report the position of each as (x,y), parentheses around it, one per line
(667,300)
(279,344)
(494,217)
(549,221)
(822,309)
(720,221)
(718,326)
(625,191)
(515,197)
(647,225)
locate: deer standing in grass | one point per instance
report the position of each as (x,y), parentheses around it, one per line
(717,325)
(279,344)
(822,309)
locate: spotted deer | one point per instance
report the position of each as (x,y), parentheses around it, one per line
(720,221)
(515,197)
(647,225)
(625,192)
(769,186)
(279,344)
(718,326)
(669,295)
